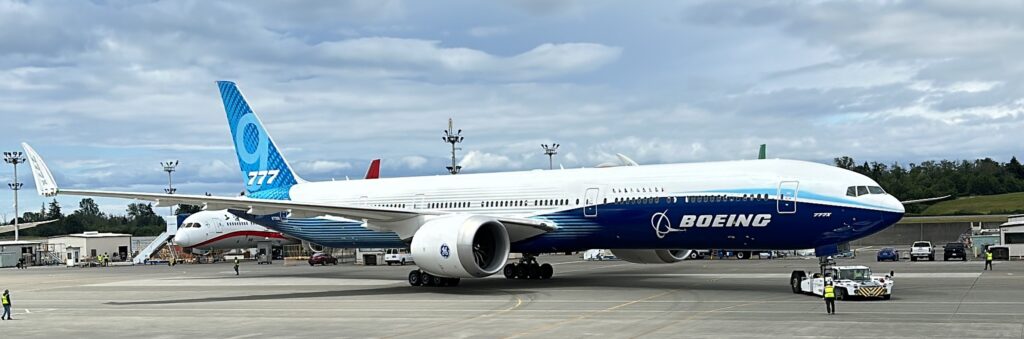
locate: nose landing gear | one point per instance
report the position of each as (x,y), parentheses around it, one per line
(527,268)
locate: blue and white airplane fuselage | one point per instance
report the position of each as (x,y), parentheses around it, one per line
(755,204)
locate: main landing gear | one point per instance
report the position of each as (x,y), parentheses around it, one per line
(527,268)
(420,278)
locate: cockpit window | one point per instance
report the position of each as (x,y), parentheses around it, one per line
(856,191)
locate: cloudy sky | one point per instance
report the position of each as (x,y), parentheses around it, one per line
(105,90)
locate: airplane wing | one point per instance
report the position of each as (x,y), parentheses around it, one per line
(23,226)
(405,222)
(916,201)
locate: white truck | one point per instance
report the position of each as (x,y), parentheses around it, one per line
(921,250)
(849,281)
(399,256)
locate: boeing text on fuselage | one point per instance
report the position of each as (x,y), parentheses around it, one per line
(662,224)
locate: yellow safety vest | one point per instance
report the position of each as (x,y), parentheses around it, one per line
(988,256)
(4,299)
(830,292)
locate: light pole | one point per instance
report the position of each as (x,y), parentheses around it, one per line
(169,168)
(453,137)
(15,158)
(550,151)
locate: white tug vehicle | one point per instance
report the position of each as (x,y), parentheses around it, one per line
(849,281)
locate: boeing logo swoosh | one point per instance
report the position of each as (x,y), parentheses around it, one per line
(662,224)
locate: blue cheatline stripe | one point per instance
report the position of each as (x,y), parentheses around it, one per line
(800,195)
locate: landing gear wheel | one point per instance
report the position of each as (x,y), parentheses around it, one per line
(414,278)
(532,271)
(546,271)
(426,279)
(510,271)
(439,281)
(520,271)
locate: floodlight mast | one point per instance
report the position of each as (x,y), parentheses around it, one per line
(169,167)
(15,158)
(453,137)
(550,151)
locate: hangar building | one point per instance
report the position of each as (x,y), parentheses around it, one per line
(91,244)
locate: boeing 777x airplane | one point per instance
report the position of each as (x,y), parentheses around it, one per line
(465,226)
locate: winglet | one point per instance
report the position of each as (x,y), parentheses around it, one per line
(45,184)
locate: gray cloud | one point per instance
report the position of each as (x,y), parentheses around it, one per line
(106,90)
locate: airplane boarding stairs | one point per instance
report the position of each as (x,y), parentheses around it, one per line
(153,247)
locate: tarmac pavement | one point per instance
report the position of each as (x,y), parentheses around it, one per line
(701,298)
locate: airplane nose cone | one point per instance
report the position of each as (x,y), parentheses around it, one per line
(896,205)
(183,238)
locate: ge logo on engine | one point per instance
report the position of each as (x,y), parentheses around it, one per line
(445,251)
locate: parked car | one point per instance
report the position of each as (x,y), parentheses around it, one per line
(888,253)
(322,259)
(921,250)
(954,250)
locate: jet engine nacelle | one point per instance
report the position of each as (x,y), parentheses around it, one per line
(461,246)
(652,256)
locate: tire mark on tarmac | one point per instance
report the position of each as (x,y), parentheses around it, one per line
(964,296)
(518,303)
(586,315)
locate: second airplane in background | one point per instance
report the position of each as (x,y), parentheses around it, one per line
(221,230)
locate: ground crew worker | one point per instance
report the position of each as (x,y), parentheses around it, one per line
(830,298)
(5,299)
(106,259)
(236,266)
(988,259)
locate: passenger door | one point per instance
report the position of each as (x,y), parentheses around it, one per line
(787,193)
(590,202)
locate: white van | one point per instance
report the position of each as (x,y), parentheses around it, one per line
(399,256)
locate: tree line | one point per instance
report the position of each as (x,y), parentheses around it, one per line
(939,178)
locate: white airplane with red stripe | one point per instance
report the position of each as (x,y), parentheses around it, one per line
(221,230)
